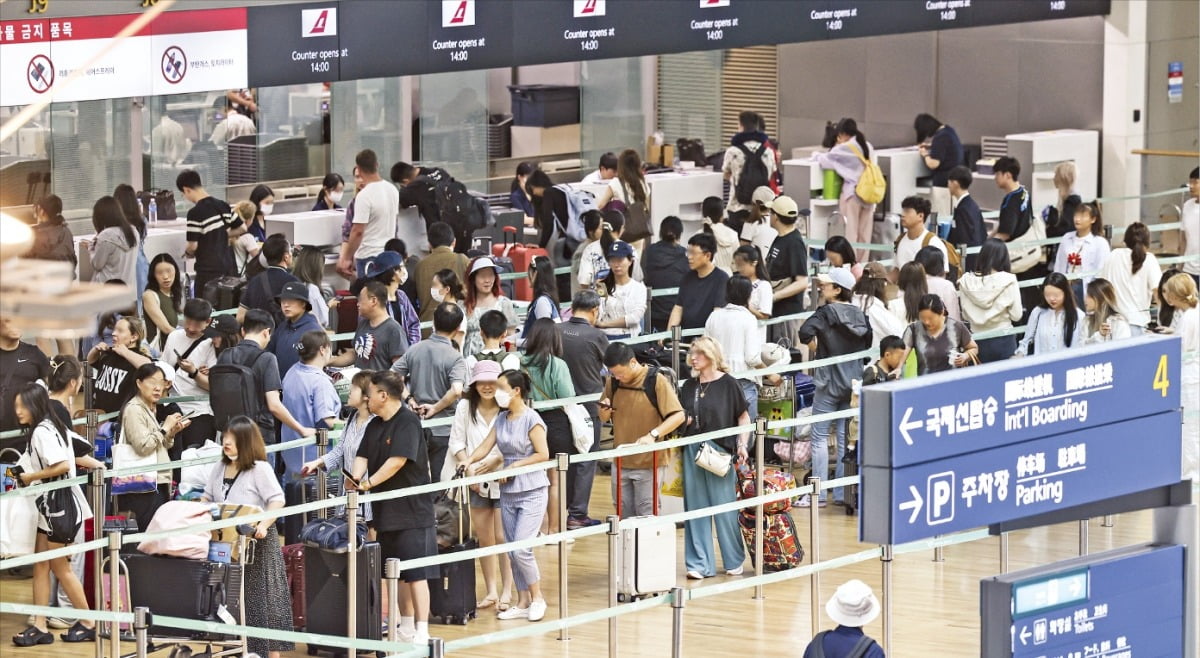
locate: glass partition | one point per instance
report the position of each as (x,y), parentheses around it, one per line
(367,114)
(454,125)
(178,133)
(610,108)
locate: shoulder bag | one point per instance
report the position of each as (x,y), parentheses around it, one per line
(126,458)
(708,457)
(582,434)
(18,514)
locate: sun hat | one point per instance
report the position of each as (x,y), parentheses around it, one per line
(296,290)
(484,371)
(763,196)
(839,276)
(853,604)
(482,262)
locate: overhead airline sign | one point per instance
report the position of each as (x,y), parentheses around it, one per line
(1007,440)
(180,52)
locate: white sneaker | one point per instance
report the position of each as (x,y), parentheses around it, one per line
(537,610)
(405,637)
(695,575)
(515,613)
(805,501)
(419,638)
(735,572)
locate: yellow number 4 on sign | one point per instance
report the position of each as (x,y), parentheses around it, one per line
(1161,383)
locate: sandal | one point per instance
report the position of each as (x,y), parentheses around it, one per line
(32,636)
(79,633)
(503,605)
(487,602)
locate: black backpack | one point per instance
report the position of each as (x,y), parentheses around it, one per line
(233,389)
(754,174)
(456,206)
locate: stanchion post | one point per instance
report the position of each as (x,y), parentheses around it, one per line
(676,338)
(1004,552)
(939,551)
(437,648)
(96,494)
(677,603)
(322,478)
(114,557)
(91,425)
(886,559)
(760,441)
(88,395)
(352,569)
(614,538)
(391,571)
(1083,536)
(814,539)
(141,630)
(563,464)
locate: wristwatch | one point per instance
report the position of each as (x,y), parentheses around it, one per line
(655,433)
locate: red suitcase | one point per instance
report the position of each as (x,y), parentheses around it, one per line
(522,256)
(293,562)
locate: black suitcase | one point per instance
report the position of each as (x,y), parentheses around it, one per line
(325,594)
(177,587)
(224,292)
(850,466)
(297,492)
(452,594)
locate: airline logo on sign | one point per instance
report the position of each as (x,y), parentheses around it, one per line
(709,4)
(458,13)
(584,8)
(318,22)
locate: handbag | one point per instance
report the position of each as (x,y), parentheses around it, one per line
(125,457)
(673,482)
(712,460)
(1024,257)
(164,201)
(637,217)
(582,433)
(333,534)
(18,525)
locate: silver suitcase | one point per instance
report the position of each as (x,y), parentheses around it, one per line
(647,560)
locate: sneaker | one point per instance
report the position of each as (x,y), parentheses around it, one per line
(402,636)
(515,613)
(58,623)
(537,610)
(735,572)
(420,638)
(805,501)
(577,522)
(695,575)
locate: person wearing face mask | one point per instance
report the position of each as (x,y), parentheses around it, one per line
(333,187)
(264,200)
(141,430)
(309,394)
(388,268)
(297,321)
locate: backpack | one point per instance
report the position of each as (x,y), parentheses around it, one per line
(648,385)
(953,258)
(872,186)
(753,175)
(455,205)
(578,202)
(497,357)
(859,649)
(233,389)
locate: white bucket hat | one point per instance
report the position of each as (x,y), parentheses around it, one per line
(853,604)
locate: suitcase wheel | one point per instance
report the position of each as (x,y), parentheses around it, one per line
(312,651)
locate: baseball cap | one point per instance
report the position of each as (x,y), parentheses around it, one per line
(385,261)
(620,249)
(874,270)
(838,276)
(295,290)
(784,206)
(763,196)
(222,324)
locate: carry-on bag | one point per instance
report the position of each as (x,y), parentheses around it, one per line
(192,589)
(297,492)
(647,560)
(521,255)
(325,593)
(293,563)
(781,546)
(452,594)
(774,480)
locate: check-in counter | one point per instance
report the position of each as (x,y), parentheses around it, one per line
(161,238)
(682,193)
(320,228)
(902,167)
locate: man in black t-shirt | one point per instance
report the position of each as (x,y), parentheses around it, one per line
(787,267)
(20,363)
(210,225)
(702,288)
(1016,210)
(262,291)
(393,456)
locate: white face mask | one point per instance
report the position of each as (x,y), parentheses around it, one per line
(503,398)
(403,275)
(437,294)
(267,208)
(335,196)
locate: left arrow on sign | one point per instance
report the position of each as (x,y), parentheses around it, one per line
(906,425)
(1025,635)
(914,504)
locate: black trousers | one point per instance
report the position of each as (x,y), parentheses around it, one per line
(144,505)
(437,447)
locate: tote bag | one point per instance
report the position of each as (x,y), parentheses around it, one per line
(125,457)
(18,519)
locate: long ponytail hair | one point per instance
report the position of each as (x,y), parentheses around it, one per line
(849,126)
(1137,238)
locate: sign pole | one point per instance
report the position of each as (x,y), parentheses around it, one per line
(1004,552)
(676,337)
(814,539)
(1083,536)
(562,466)
(760,439)
(886,559)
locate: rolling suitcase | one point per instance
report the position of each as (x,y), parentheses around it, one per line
(781,546)
(347,319)
(452,595)
(325,594)
(774,480)
(192,589)
(111,523)
(850,465)
(521,256)
(297,492)
(293,562)
(224,292)
(647,560)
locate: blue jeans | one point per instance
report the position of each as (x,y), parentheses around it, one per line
(824,403)
(750,392)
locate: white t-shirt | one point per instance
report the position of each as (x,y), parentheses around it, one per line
(1134,291)
(733,327)
(245,245)
(760,235)
(762,299)
(942,287)
(203,356)
(727,243)
(46,448)
(591,263)
(626,301)
(907,250)
(592,179)
(1191,229)
(377,206)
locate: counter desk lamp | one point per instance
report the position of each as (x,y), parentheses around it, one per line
(43,295)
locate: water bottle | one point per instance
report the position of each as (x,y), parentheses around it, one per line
(152,212)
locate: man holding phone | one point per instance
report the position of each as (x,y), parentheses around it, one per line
(189,351)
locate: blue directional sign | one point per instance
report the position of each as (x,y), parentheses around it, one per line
(1122,603)
(973,409)
(1004,441)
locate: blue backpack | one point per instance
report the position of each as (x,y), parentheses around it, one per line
(578,202)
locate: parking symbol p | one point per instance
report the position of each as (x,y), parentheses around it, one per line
(940,496)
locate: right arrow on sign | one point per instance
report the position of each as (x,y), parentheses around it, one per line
(1025,635)
(906,425)
(914,504)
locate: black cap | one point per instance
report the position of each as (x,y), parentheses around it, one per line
(295,290)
